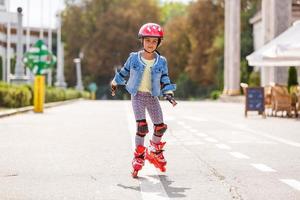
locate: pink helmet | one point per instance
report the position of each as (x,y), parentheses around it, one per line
(151,30)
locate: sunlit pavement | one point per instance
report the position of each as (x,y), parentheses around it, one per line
(83,150)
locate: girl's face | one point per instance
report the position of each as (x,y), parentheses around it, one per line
(150,44)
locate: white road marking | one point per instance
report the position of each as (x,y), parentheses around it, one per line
(193,130)
(198,119)
(180,123)
(278,139)
(263,167)
(186,139)
(150,185)
(209,139)
(191,143)
(251,142)
(169,118)
(292,182)
(201,134)
(239,155)
(223,146)
(173,143)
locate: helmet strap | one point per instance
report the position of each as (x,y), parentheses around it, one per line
(149,51)
(155,50)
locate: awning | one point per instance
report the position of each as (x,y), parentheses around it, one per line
(283,50)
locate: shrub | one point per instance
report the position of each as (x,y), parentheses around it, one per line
(215,94)
(292,78)
(254,79)
(14,96)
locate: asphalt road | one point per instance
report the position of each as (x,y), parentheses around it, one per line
(83,150)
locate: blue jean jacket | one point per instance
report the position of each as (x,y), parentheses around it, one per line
(134,68)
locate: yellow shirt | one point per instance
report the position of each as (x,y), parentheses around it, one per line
(145,85)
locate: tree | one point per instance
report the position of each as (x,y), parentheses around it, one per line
(171,10)
(176,46)
(248,9)
(106,31)
(204,19)
(292,77)
(73,35)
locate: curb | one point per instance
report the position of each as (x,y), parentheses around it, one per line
(15,111)
(232,99)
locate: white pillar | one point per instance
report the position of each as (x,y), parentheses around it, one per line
(79,85)
(28,72)
(7,66)
(49,74)
(60,79)
(276,17)
(232,47)
(42,22)
(19,76)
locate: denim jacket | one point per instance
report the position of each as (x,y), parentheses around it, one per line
(134,68)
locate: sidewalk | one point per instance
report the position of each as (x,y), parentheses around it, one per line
(4,112)
(232,99)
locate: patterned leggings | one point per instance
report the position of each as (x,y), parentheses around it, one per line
(142,101)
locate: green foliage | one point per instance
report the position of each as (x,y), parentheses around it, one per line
(53,94)
(254,79)
(172,10)
(205,19)
(85,95)
(177,47)
(248,9)
(216,59)
(215,94)
(1,68)
(72,94)
(106,32)
(185,87)
(293,77)
(244,73)
(14,96)
(13,65)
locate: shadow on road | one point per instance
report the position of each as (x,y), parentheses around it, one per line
(151,186)
(171,191)
(136,188)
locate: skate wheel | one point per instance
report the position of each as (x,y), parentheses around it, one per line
(134,174)
(163,169)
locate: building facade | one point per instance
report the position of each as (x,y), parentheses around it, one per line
(8,41)
(273,19)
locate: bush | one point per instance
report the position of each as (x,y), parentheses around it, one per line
(72,94)
(185,87)
(54,94)
(85,95)
(14,96)
(215,94)
(254,79)
(292,78)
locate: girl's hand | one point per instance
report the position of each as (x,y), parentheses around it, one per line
(113,88)
(170,98)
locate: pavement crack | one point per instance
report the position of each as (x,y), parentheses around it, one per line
(234,193)
(10,175)
(93,178)
(233,190)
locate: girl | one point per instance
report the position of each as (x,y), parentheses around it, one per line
(148,79)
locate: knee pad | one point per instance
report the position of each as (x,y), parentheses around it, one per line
(160,129)
(142,128)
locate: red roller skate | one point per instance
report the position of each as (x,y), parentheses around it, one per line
(155,155)
(138,160)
